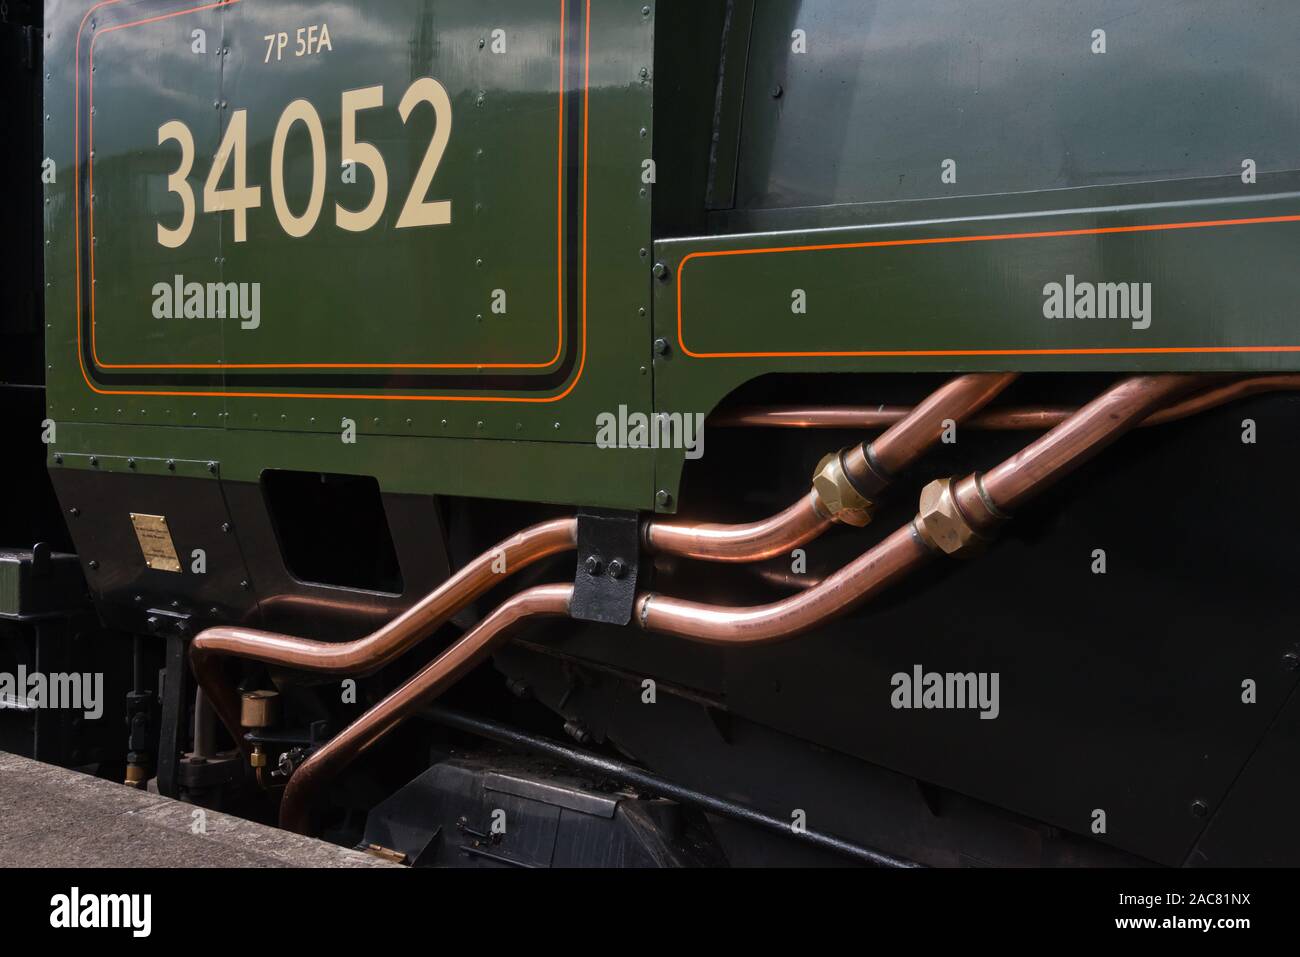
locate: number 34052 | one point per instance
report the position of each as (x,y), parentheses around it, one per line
(418,210)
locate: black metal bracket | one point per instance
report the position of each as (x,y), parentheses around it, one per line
(609,551)
(175,696)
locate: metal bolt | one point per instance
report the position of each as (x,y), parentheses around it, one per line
(577,731)
(644,74)
(617,569)
(1199,808)
(225,527)
(58,459)
(245,585)
(130,463)
(171,465)
(1291,660)
(74,512)
(94,565)
(660,271)
(663,498)
(661,347)
(94,462)
(594,566)
(777,91)
(212,467)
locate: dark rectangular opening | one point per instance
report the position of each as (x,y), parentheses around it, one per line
(332,529)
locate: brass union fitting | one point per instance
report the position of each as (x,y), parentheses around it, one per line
(837,499)
(941,522)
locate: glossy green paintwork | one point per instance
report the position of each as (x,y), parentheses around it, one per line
(418,296)
(839,145)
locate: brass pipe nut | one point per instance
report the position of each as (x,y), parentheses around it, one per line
(258,758)
(941,522)
(837,499)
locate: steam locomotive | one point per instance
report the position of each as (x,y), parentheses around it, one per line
(662,433)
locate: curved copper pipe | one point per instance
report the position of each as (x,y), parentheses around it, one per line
(797,525)
(1095,426)
(985,500)
(385,643)
(897,448)
(872,465)
(444,671)
(1037,466)
(780,578)
(1010,419)
(857,581)
(752,542)
(1222,395)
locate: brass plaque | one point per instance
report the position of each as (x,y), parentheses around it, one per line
(156,542)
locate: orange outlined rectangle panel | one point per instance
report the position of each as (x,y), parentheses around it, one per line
(476,366)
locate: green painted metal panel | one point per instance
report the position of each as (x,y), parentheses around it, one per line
(549,114)
(392,327)
(875,95)
(1212,267)
(1200,284)
(557,472)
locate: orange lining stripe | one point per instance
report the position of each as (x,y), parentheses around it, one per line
(315,395)
(916,353)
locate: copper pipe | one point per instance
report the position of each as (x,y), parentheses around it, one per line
(877,417)
(444,671)
(806,519)
(871,466)
(384,644)
(984,499)
(752,542)
(1041,463)
(797,525)
(780,578)
(857,581)
(1095,426)
(1010,419)
(1222,395)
